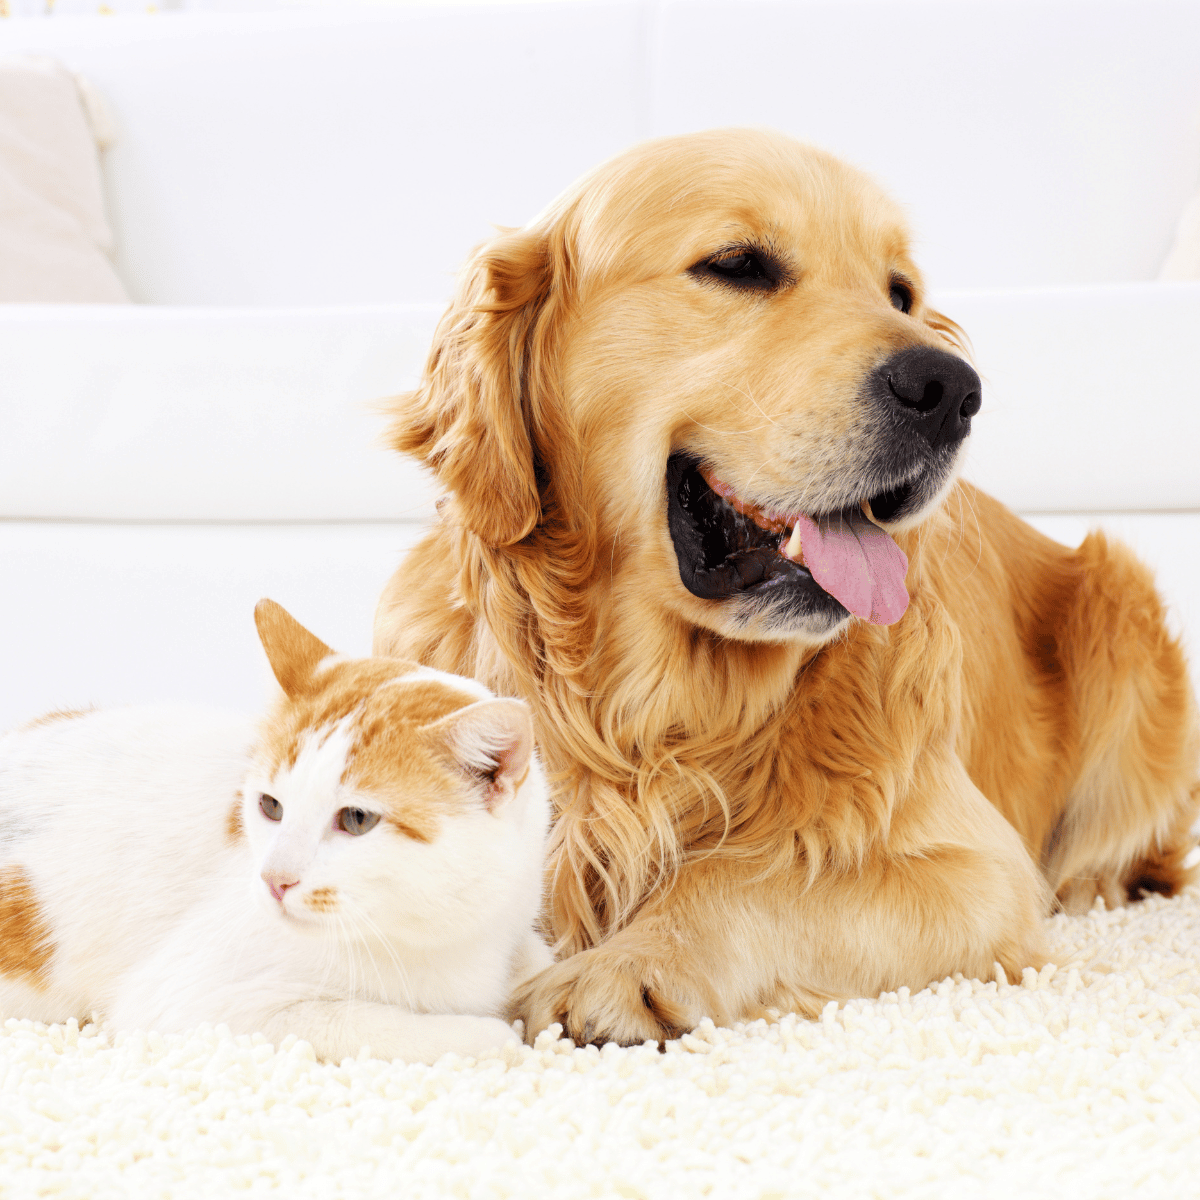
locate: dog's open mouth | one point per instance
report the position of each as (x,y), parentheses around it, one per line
(830,561)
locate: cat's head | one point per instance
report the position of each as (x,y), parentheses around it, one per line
(388,799)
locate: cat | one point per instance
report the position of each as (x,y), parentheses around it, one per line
(362,867)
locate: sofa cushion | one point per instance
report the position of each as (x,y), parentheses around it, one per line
(145,413)
(343,155)
(55,240)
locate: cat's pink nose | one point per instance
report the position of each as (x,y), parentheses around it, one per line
(278,882)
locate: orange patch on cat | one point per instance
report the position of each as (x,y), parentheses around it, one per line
(392,761)
(323,899)
(57,714)
(389,760)
(333,694)
(234,830)
(25,945)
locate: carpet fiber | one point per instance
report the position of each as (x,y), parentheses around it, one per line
(1084,1080)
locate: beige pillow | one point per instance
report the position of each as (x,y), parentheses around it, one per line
(55,241)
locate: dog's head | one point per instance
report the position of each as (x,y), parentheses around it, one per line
(712,359)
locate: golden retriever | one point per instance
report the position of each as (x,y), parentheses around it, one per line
(824,721)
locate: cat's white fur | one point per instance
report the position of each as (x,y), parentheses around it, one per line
(154,909)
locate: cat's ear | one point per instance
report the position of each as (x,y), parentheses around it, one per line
(292,651)
(491,742)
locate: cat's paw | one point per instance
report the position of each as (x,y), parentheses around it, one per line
(605,995)
(472,1036)
(466,1036)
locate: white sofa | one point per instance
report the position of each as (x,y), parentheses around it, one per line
(291,193)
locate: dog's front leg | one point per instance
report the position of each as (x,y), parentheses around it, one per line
(949,888)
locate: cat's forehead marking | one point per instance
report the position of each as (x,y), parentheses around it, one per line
(25,943)
(381,704)
(390,759)
(342,688)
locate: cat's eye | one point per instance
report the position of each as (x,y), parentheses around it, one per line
(356,821)
(270,808)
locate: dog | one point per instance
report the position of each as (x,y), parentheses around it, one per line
(823,720)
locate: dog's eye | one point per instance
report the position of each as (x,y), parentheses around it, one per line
(738,266)
(741,268)
(901,295)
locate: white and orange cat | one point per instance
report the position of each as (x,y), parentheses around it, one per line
(364,867)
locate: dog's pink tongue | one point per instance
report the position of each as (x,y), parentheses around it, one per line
(856,563)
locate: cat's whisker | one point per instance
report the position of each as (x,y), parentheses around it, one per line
(401,975)
(366,948)
(339,960)
(342,955)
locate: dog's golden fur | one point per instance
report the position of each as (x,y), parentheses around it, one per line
(750,816)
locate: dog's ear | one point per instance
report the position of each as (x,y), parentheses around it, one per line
(475,416)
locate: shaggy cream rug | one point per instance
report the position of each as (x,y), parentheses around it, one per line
(1083,1081)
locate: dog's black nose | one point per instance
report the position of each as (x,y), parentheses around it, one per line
(936,393)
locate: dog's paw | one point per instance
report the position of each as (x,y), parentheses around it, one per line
(605,995)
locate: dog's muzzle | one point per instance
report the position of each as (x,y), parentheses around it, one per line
(929,393)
